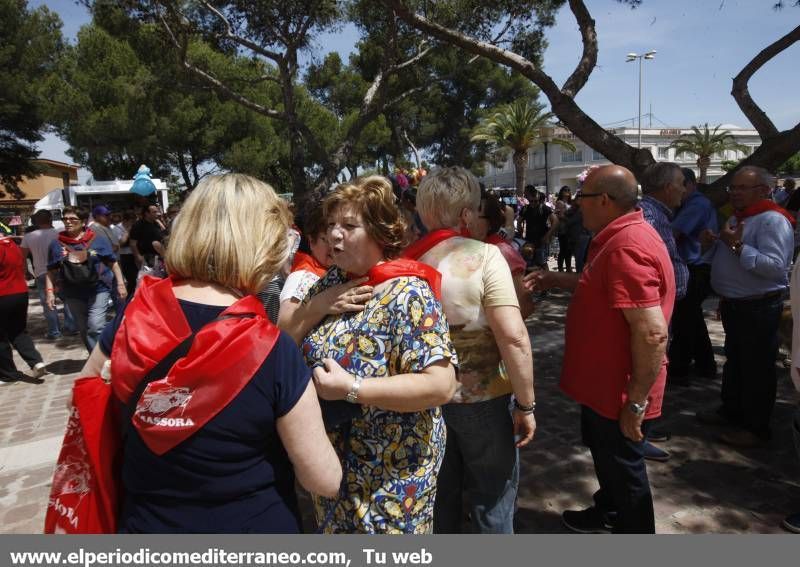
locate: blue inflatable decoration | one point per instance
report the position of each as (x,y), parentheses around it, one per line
(141,182)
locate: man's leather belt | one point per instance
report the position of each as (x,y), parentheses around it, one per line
(771,295)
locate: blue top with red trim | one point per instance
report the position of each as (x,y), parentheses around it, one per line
(233,475)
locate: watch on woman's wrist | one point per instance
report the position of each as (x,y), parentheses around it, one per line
(523,408)
(352,395)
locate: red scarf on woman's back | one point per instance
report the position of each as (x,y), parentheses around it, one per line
(763,206)
(223,358)
(418,249)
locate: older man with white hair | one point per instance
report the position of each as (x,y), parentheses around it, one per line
(750,260)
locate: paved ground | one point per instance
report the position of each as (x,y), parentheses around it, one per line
(705,487)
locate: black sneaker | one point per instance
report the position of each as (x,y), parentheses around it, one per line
(588,521)
(653,453)
(713,418)
(792,523)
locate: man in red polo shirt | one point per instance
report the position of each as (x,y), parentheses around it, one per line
(614,356)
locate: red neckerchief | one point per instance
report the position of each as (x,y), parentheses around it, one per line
(88,235)
(401,267)
(763,206)
(224,357)
(307,262)
(418,249)
(494,239)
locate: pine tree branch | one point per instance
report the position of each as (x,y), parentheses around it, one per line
(588,61)
(758,118)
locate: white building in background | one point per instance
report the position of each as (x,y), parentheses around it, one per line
(564,166)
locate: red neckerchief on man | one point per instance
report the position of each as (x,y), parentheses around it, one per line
(418,249)
(223,358)
(401,267)
(84,239)
(307,262)
(763,206)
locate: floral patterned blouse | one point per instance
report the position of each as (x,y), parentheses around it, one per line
(391,459)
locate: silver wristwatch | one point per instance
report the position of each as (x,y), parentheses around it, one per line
(638,409)
(352,395)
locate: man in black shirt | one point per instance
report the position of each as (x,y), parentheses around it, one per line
(146,238)
(540,223)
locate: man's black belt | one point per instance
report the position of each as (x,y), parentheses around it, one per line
(771,295)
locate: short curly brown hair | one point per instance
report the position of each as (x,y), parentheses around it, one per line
(373,199)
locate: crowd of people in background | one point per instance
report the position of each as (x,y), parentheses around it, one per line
(81,272)
(374,340)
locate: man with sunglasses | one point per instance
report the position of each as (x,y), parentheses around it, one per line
(750,261)
(615,343)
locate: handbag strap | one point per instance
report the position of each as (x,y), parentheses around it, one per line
(162,369)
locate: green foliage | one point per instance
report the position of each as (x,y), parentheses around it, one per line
(30,43)
(121,101)
(456,102)
(317,122)
(516,128)
(438,118)
(729,164)
(525,21)
(790,166)
(706,142)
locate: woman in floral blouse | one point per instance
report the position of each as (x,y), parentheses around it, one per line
(394,359)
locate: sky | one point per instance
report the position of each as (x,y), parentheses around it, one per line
(701,45)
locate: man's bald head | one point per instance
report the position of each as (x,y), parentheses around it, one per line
(617,182)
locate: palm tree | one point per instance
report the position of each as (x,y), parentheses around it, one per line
(517,127)
(704,144)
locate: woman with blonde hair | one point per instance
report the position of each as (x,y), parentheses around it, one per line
(393,360)
(220,412)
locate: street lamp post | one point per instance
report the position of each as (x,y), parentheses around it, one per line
(546,170)
(633,57)
(546,134)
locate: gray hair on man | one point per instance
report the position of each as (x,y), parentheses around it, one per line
(659,175)
(444,194)
(763,176)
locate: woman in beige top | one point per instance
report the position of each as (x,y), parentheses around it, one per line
(494,350)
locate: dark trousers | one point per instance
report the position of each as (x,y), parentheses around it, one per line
(14,317)
(480,466)
(749,379)
(566,249)
(690,339)
(129,270)
(624,498)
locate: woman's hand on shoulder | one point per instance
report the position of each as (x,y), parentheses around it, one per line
(346,297)
(332,381)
